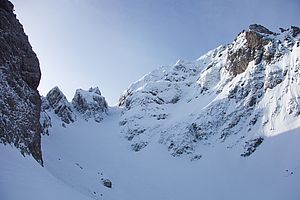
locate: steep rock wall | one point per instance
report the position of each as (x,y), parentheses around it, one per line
(19,78)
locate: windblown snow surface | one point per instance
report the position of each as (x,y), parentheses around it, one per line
(189,131)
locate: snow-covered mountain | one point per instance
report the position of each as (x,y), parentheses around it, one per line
(225,126)
(236,94)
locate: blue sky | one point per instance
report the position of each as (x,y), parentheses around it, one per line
(112,43)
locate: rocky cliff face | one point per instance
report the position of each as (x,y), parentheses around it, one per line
(235,94)
(19,78)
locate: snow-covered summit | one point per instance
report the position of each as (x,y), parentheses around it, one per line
(90,103)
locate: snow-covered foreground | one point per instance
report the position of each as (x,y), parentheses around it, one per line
(23,178)
(77,158)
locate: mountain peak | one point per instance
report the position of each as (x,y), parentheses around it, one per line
(90,103)
(55,96)
(260,29)
(229,86)
(95,90)
(59,103)
(85,103)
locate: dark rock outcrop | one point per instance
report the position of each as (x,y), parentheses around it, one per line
(255,48)
(295,30)
(19,78)
(240,56)
(260,29)
(250,146)
(107,183)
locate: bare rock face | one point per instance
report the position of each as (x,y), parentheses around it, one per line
(90,104)
(260,29)
(19,78)
(60,105)
(241,54)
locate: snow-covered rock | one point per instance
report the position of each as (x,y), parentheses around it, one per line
(86,104)
(59,104)
(234,94)
(90,104)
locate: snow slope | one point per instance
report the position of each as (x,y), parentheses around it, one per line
(78,156)
(273,172)
(23,178)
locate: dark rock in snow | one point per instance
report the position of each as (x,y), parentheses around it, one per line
(251,146)
(45,119)
(19,78)
(293,106)
(138,146)
(45,122)
(282,30)
(107,183)
(295,30)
